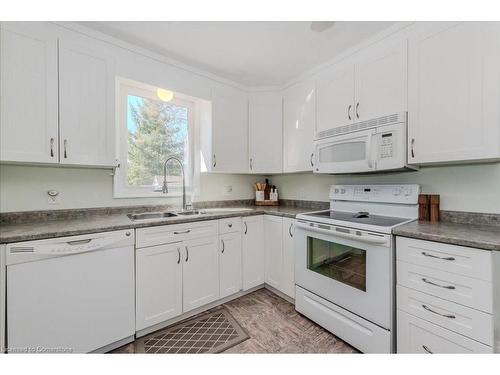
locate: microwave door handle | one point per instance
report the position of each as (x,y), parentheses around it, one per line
(369,150)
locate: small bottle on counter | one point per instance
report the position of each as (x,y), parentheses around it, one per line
(434,207)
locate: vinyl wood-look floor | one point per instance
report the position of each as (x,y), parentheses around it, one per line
(275,327)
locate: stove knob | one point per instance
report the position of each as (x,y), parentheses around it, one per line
(336,191)
(342,191)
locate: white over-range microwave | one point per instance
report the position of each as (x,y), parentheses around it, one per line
(369,146)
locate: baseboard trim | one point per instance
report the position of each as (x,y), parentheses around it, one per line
(280,294)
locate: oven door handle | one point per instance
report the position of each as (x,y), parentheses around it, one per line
(345,233)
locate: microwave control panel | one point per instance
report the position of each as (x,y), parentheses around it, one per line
(386,146)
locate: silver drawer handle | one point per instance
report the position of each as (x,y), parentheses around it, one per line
(427,349)
(441,286)
(183,232)
(246,227)
(223,246)
(179,255)
(434,256)
(435,312)
(79,242)
(230,225)
(187,253)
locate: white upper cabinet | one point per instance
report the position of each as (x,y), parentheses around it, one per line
(335,97)
(454,92)
(86,102)
(370,83)
(28,97)
(299,122)
(229,146)
(381,83)
(265,132)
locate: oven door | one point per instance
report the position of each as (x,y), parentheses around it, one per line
(348,267)
(348,153)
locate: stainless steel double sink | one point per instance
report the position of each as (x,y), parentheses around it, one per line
(167,214)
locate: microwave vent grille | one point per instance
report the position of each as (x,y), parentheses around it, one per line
(385,120)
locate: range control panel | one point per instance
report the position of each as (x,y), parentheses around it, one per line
(405,194)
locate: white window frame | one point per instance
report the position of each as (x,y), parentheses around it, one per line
(121,189)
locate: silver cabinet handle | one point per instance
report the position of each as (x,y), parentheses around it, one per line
(427,349)
(223,246)
(349,112)
(183,232)
(357,110)
(51,147)
(178,255)
(425,307)
(441,286)
(251,163)
(65,143)
(434,256)
(230,225)
(290,230)
(187,254)
(128,234)
(246,227)
(312,157)
(412,147)
(215,161)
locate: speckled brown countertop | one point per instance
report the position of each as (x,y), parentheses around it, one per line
(481,236)
(17,232)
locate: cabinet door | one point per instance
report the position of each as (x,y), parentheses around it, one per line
(454,91)
(381,79)
(158,273)
(299,118)
(265,133)
(253,256)
(86,104)
(200,276)
(28,92)
(274,251)
(230,263)
(335,97)
(229,131)
(288,257)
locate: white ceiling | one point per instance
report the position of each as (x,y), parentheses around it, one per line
(250,53)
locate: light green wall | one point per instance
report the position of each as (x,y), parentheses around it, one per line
(24,188)
(463,188)
(474,188)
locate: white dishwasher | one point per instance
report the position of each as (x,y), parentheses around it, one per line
(71,294)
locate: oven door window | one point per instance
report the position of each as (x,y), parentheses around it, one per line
(342,263)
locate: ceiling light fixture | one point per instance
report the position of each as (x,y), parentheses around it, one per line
(164,95)
(320,26)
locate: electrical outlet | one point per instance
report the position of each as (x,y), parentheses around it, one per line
(53,197)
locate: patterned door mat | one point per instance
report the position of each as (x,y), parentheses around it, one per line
(212,332)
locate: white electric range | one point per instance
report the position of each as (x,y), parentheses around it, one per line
(344,267)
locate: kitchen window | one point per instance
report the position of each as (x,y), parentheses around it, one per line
(153,124)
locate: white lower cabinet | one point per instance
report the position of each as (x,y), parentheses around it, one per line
(158,280)
(274,250)
(230,263)
(253,255)
(288,286)
(416,335)
(200,276)
(444,298)
(280,255)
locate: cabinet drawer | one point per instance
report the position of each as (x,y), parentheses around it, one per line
(419,336)
(449,286)
(230,225)
(174,233)
(469,322)
(450,258)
